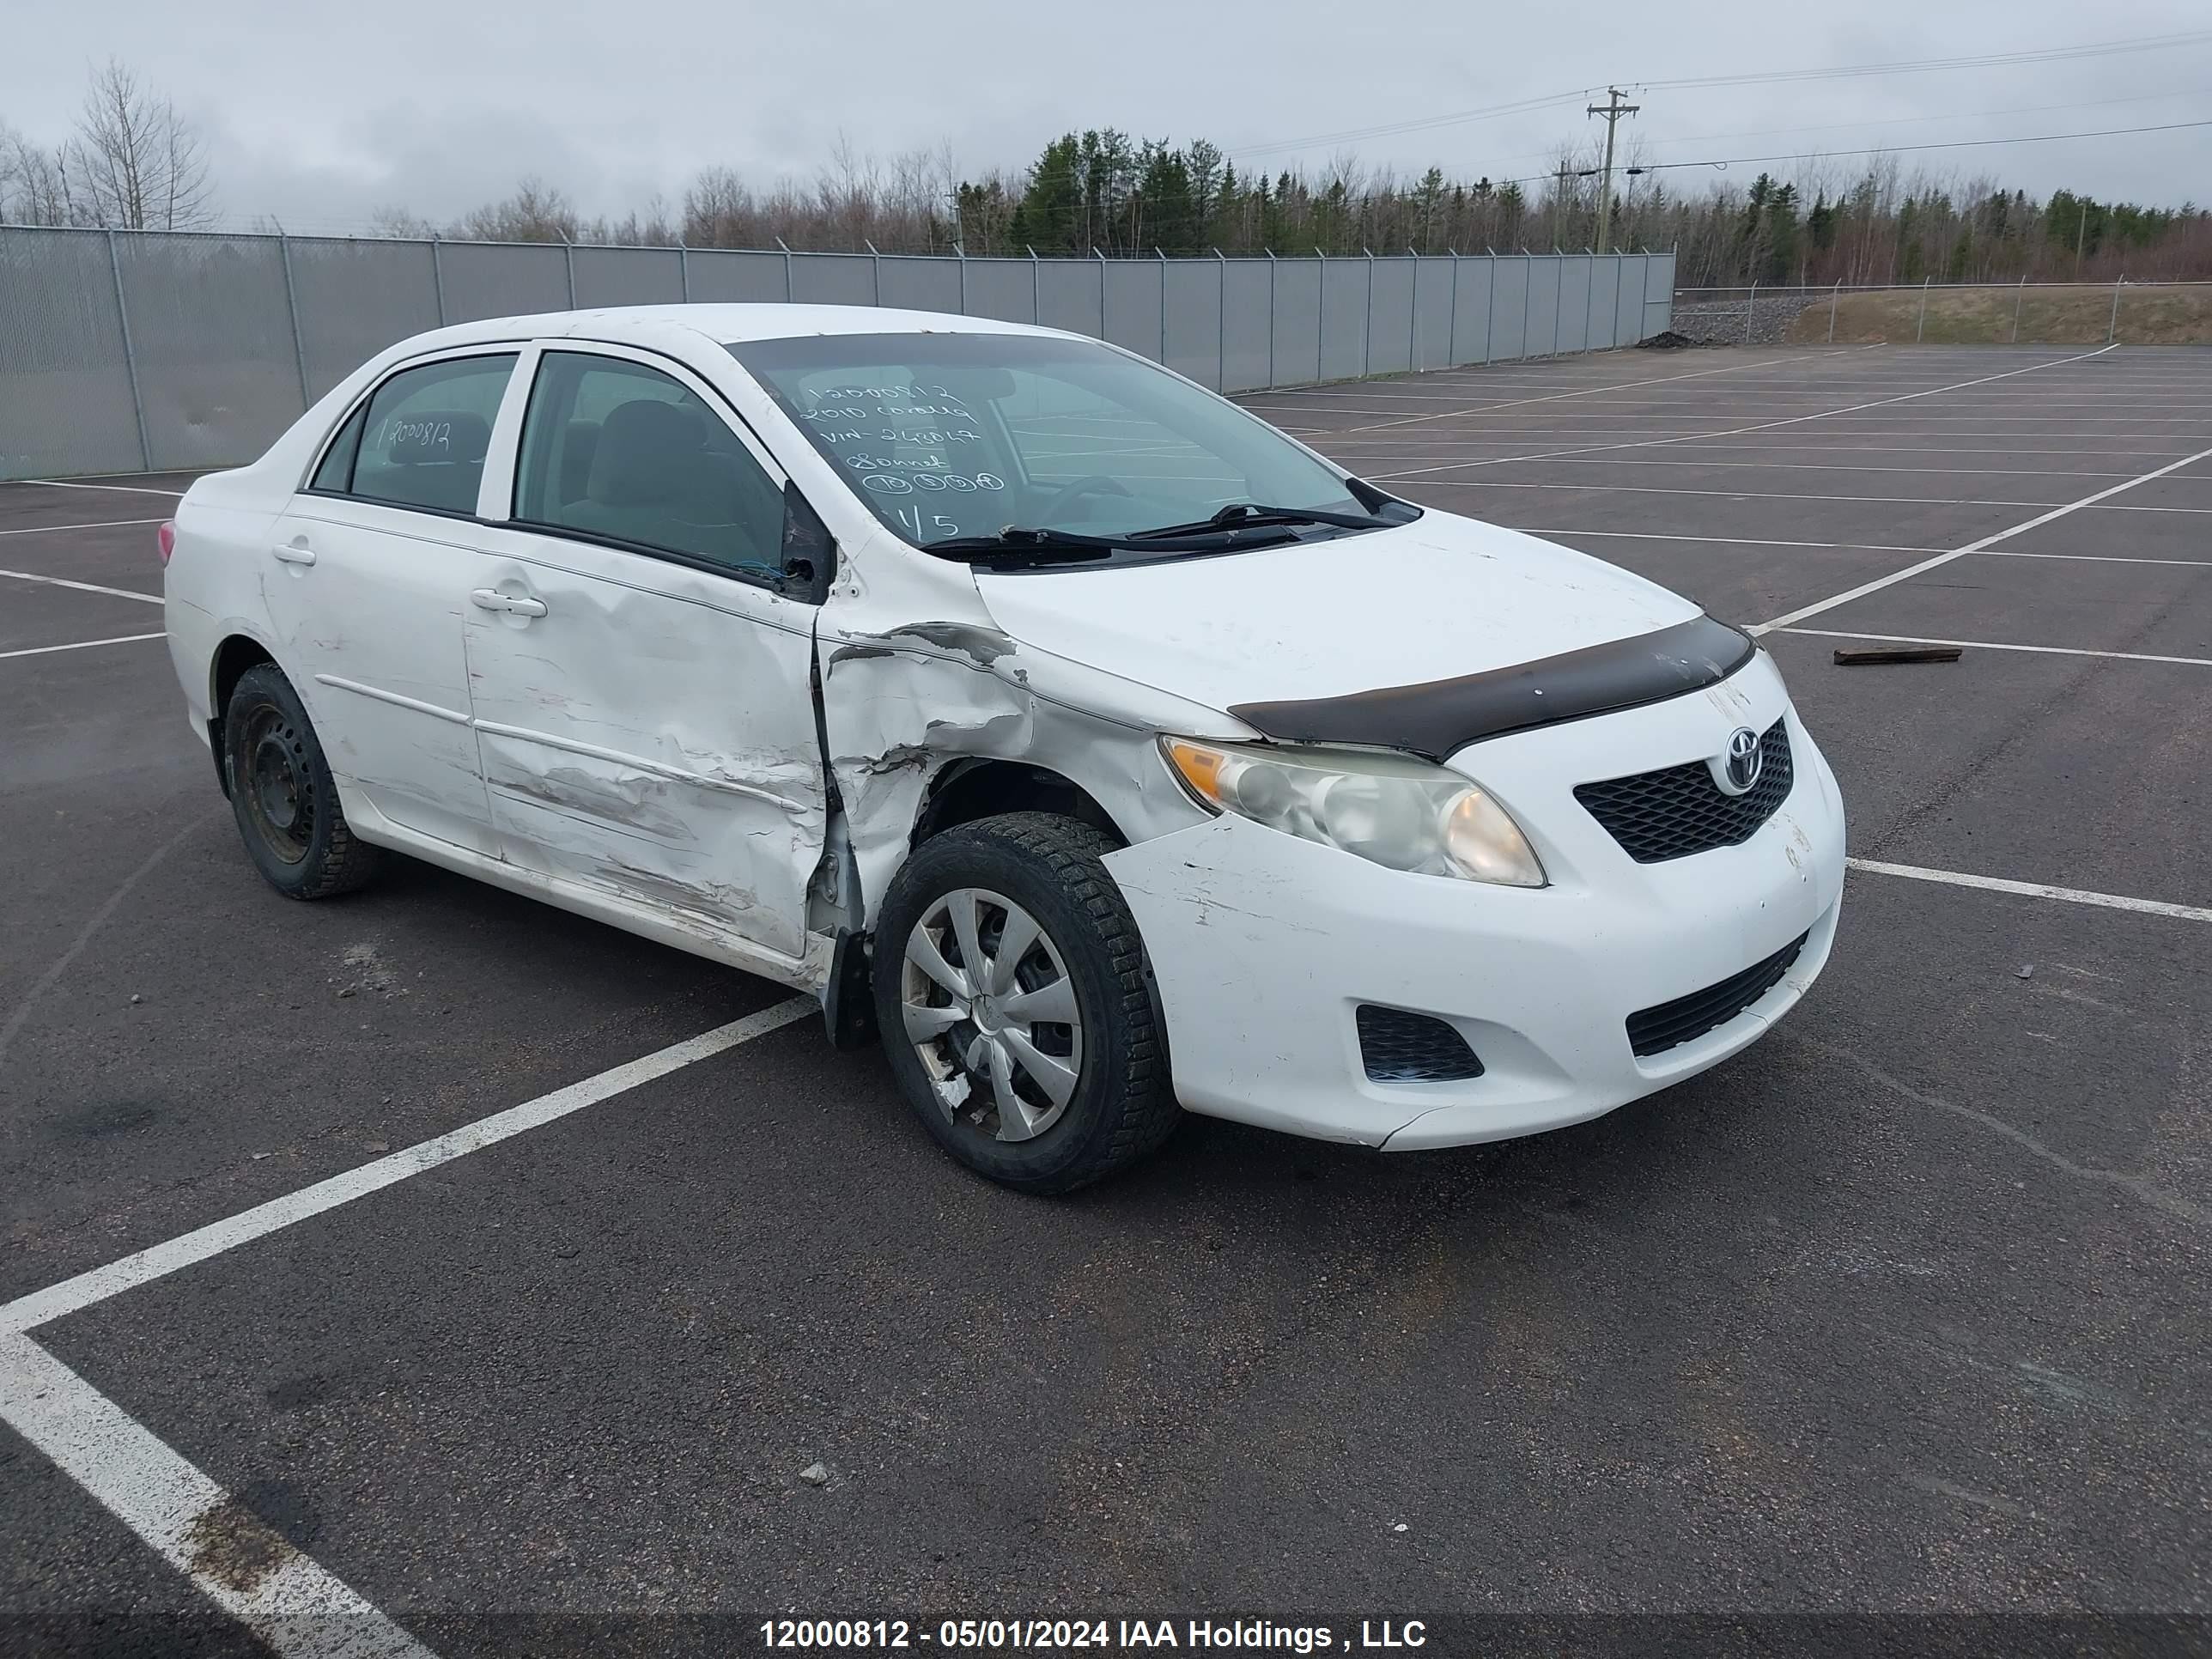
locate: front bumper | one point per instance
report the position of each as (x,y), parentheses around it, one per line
(1264,945)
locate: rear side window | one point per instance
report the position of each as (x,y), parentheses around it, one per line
(620,452)
(424,435)
(335,475)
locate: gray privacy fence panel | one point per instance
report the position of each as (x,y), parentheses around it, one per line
(145,349)
(357,297)
(1628,300)
(501,279)
(1072,294)
(1604,308)
(65,397)
(1005,288)
(922,284)
(1512,281)
(1474,286)
(1389,316)
(1431,333)
(1658,295)
(218,372)
(1297,321)
(1132,306)
(1247,325)
(833,279)
(1572,322)
(720,275)
(1343,306)
(1192,337)
(1541,309)
(628,276)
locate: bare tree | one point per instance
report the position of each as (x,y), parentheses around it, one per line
(537,212)
(138,164)
(399,223)
(35,184)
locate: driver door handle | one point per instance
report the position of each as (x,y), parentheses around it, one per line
(485,598)
(291,554)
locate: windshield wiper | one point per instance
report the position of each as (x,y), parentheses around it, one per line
(1020,544)
(1241,515)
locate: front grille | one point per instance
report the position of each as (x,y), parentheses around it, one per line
(1398,1046)
(1672,1023)
(1679,809)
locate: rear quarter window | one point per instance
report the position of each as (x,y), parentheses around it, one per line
(424,434)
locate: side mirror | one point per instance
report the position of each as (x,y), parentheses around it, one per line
(809,553)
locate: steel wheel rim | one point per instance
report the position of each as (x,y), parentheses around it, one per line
(991,1010)
(278,785)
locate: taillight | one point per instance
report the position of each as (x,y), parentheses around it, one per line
(166,539)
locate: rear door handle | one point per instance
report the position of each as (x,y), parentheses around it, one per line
(485,598)
(291,554)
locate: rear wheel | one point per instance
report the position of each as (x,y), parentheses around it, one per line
(282,793)
(1016,1006)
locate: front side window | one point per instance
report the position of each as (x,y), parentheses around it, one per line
(424,435)
(951,438)
(619,451)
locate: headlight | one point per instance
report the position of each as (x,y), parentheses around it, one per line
(1403,814)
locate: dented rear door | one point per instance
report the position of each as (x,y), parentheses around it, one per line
(644,717)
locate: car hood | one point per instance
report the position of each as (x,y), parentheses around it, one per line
(1439,598)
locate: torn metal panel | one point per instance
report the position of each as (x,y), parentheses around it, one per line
(902,699)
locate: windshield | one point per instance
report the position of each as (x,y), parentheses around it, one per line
(954,438)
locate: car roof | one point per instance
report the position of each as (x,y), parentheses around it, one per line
(724,324)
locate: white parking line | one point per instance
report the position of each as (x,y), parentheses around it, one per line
(127,490)
(80,645)
(1986,542)
(56,529)
(1769,426)
(1727,541)
(1587,391)
(83,587)
(1776,495)
(1839,547)
(73,1294)
(2034,890)
(1699,463)
(298,1608)
(1982,645)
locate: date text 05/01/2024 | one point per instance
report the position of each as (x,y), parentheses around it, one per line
(999,1635)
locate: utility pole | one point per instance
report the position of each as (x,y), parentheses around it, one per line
(1612,109)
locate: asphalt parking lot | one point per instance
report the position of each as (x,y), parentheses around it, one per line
(1902,1313)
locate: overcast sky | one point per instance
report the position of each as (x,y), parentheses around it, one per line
(320,115)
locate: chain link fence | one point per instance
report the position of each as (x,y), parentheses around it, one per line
(122,352)
(1949,313)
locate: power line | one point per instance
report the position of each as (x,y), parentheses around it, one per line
(1926,65)
(1912,120)
(1895,149)
(1314,141)
(1929,65)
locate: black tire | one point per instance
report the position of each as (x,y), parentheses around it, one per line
(282,793)
(1123,1104)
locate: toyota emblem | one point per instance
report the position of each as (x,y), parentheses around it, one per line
(1744,761)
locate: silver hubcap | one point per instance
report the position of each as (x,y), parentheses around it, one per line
(991,1012)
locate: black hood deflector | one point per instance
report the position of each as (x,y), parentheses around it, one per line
(1437,719)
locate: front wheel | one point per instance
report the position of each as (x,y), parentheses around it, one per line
(281,792)
(1016,1006)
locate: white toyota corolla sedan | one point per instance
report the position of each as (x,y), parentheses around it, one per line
(1105,750)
